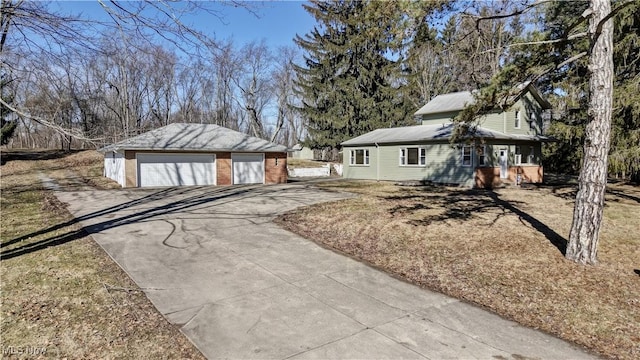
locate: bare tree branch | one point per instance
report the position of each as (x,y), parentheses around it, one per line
(516,12)
(541,42)
(74,133)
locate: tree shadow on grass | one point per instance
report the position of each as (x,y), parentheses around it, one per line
(33,155)
(186,199)
(468,204)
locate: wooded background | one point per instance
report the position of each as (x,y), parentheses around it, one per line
(72,82)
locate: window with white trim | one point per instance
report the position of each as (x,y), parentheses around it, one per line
(533,119)
(518,156)
(467,155)
(516,124)
(481,150)
(413,156)
(359,157)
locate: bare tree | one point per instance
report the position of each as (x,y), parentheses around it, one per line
(288,120)
(254,84)
(227,70)
(32,30)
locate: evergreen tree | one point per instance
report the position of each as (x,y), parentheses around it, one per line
(350,83)
(624,157)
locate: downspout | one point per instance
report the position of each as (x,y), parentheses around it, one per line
(377,161)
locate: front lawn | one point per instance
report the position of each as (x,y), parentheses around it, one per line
(500,249)
(62,295)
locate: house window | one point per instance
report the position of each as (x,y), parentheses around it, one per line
(516,124)
(518,156)
(482,155)
(532,121)
(413,156)
(531,159)
(359,157)
(466,155)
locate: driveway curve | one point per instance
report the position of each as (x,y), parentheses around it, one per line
(212,262)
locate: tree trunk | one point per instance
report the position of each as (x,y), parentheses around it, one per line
(589,205)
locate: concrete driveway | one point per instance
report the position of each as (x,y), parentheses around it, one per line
(212,262)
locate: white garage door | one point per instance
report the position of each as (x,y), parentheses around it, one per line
(176,169)
(248,168)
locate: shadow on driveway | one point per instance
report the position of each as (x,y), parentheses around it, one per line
(187,198)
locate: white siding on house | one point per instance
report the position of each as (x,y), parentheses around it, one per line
(114,167)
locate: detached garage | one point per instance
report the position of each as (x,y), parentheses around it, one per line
(194,154)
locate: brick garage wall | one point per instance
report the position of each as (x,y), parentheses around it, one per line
(223,168)
(488,177)
(275,168)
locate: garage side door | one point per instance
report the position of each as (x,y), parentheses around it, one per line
(248,168)
(176,169)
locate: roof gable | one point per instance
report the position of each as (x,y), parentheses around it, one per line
(195,137)
(459,100)
(447,102)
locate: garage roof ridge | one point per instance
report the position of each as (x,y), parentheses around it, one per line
(195,137)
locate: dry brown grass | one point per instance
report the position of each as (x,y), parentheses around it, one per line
(60,290)
(501,250)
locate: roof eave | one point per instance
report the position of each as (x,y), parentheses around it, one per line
(133,148)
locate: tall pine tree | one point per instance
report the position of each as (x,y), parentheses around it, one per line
(350,82)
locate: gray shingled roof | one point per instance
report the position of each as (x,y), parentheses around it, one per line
(426,133)
(195,137)
(459,100)
(447,102)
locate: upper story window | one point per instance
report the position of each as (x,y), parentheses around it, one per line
(359,157)
(532,120)
(516,124)
(413,156)
(466,155)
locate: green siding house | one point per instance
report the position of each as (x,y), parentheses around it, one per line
(505,147)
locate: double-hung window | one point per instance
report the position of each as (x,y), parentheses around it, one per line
(533,119)
(516,124)
(413,156)
(359,157)
(518,156)
(467,155)
(482,155)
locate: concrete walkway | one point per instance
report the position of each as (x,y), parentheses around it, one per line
(212,262)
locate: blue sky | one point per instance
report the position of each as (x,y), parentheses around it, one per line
(277,21)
